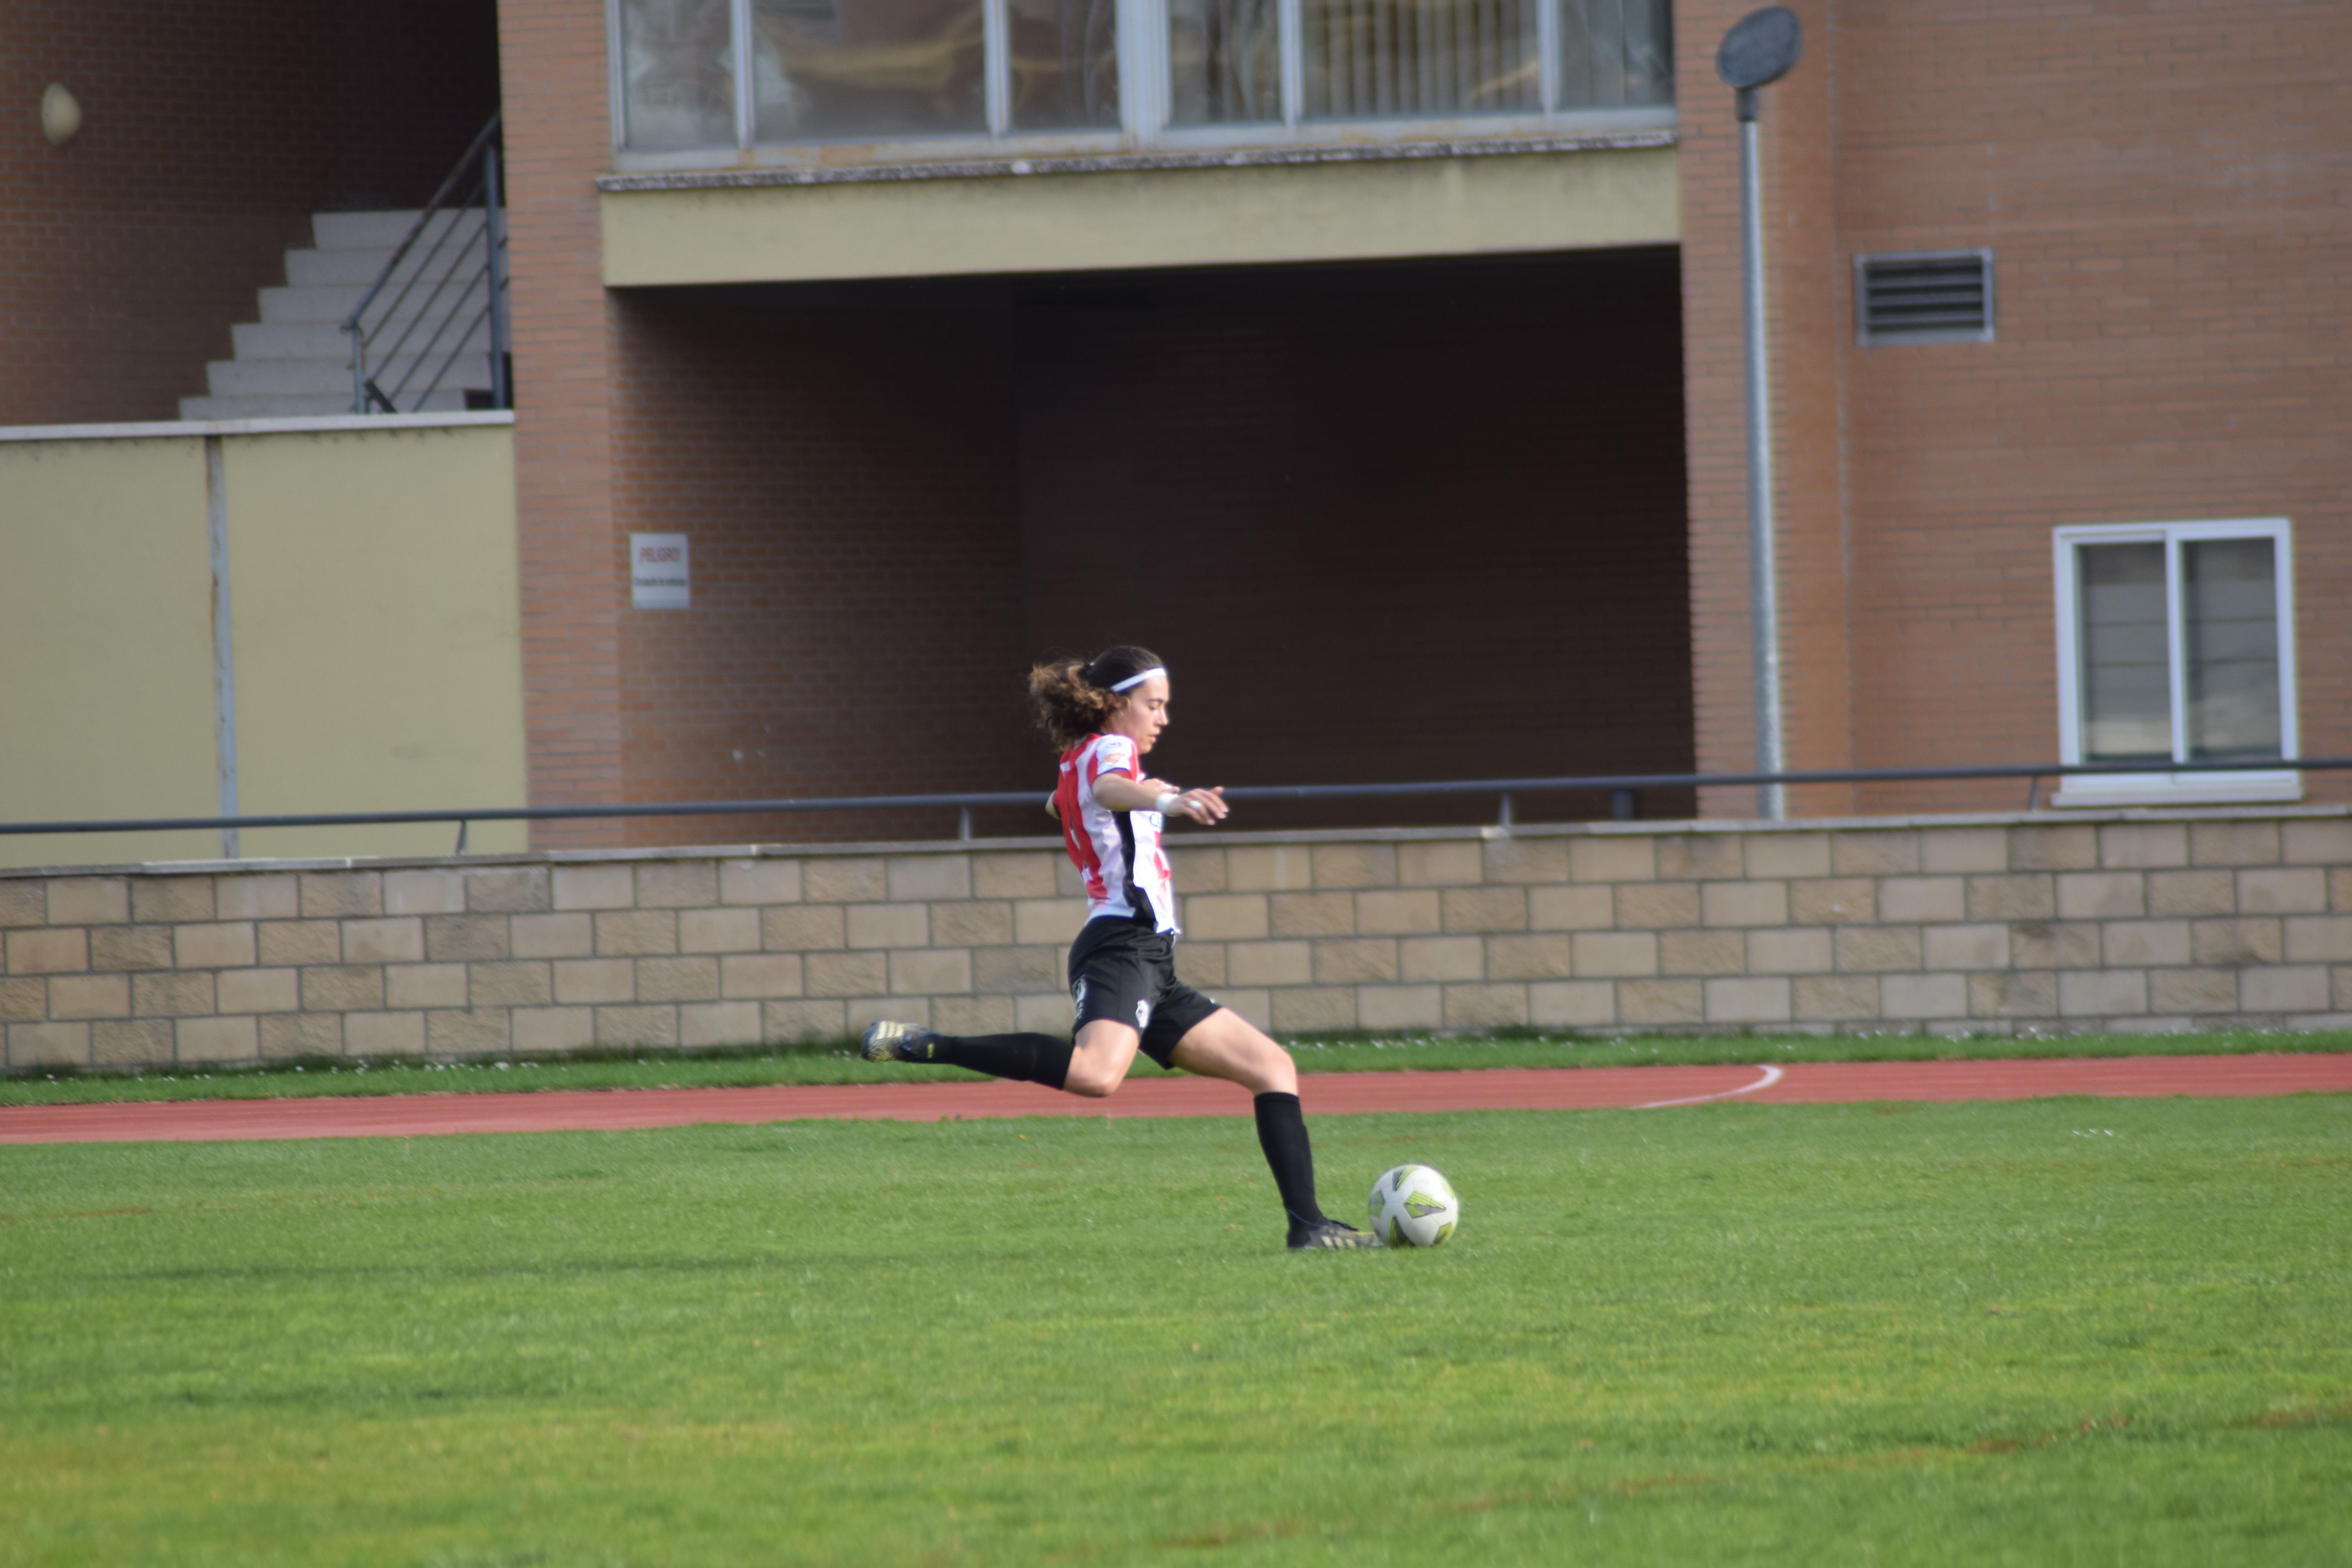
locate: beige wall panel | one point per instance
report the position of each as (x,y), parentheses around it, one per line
(1184,217)
(379,645)
(106,661)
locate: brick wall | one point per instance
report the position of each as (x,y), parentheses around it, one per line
(2130,921)
(2180,357)
(845,464)
(1385,523)
(2158,186)
(209,136)
(2156,180)
(574,560)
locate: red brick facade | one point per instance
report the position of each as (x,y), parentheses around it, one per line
(845,469)
(2160,187)
(899,495)
(1450,498)
(210,134)
(1392,524)
(574,566)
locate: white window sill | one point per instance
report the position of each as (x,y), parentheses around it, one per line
(2101,790)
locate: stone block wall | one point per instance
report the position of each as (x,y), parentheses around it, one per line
(2125,920)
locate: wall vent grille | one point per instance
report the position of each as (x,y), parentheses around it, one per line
(1924,297)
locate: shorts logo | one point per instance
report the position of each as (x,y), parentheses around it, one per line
(1079,994)
(1144,1014)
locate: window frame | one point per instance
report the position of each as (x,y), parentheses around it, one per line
(1144,96)
(2158,787)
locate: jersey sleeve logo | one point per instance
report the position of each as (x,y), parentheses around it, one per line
(1112,755)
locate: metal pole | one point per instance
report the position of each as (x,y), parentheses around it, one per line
(1763,574)
(224,644)
(494,234)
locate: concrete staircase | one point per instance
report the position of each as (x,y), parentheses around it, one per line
(296,360)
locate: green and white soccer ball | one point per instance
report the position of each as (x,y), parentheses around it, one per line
(1413,1205)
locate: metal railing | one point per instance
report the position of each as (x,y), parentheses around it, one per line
(1619,786)
(454,260)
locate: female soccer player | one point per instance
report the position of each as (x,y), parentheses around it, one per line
(1103,716)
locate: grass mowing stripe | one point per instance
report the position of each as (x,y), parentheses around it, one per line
(2054,1330)
(836,1064)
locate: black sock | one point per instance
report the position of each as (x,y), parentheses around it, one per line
(1032,1058)
(1282,1133)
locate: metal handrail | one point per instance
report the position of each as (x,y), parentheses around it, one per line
(478,173)
(1505,788)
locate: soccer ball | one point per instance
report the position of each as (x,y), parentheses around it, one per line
(1413,1205)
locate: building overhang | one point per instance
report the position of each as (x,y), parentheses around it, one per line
(1140,210)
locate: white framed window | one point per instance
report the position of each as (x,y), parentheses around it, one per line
(2176,644)
(911,80)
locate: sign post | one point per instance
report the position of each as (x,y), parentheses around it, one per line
(1757,51)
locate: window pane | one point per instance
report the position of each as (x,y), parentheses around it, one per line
(1615,52)
(1224,61)
(828,69)
(2127,674)
(677,62)
(1367,59)
(2232,614)
(1065,64)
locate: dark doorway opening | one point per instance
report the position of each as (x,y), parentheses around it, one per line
(1388,523)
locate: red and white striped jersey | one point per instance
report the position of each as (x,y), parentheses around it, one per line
(1117,852)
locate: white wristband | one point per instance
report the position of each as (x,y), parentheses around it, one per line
(1167,803)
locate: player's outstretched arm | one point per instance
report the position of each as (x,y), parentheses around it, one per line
(1203,806)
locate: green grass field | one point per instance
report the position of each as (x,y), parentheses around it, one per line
(833,1063)
(2057,1331)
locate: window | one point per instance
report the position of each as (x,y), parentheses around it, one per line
(717,74)
(1924,297)
(2176,644)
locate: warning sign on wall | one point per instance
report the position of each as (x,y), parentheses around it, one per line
(660,573)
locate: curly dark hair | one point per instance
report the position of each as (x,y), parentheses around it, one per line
(1072,696)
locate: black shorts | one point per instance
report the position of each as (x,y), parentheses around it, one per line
(1125,971)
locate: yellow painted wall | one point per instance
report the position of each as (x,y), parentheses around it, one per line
(1161,217)
(106,651)
(376,638)
(379,635)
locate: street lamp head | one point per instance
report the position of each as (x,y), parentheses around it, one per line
(1760,49)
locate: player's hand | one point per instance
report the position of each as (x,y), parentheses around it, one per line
(1206,806)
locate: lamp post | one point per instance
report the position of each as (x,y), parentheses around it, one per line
(1757,51)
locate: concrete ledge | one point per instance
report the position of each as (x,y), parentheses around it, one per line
(793,225)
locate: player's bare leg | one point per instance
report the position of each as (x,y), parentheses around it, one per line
(1227,1045)
(1100,1057)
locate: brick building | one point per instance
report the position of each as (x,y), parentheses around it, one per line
(1380,364)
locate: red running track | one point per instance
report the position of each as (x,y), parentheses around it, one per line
(1326,1094)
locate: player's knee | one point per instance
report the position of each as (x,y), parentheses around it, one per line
(1280,1075)
(1089,1080)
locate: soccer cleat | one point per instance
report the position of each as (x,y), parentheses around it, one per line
(1327,1235)
(890,1041)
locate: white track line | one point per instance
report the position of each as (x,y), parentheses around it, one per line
(1771,1075)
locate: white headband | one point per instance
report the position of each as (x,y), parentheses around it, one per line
(1138,680)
